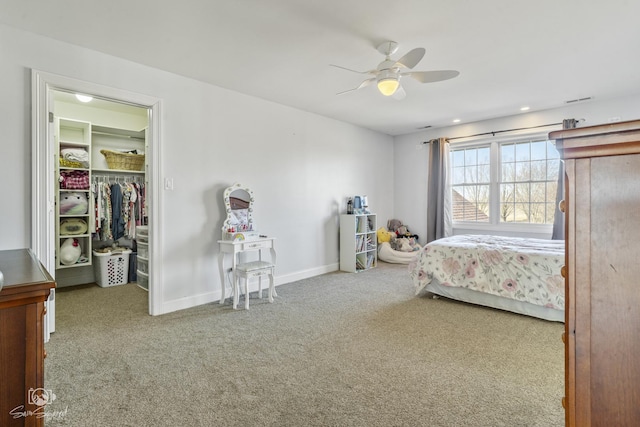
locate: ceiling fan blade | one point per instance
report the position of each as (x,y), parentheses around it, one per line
(399,94)
(353,71)
(363,84)
(412,58)
(432,76)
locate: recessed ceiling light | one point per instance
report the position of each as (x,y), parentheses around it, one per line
(83,98)
(456,120)
(525,108)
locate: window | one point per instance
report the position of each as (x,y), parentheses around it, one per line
(504,182)
(529,181)
(471,182)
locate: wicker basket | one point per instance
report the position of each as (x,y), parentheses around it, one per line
(66,163)
(123,161)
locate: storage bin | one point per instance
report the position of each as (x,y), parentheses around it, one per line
(142,238)
(143,280)
(143,250)
(123,161)
(111,269)
(142,230)
(133,266)
(143,265)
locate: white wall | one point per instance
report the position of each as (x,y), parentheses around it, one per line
(411,157)
(301,166)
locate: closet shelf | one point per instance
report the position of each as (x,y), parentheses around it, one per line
(74,144)
(120,171)
(117,132)
(73,169)
(67,236)
(77,264)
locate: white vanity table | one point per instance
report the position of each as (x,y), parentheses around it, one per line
(244,244)
(237,249)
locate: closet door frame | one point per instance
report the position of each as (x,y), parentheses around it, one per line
(43,204)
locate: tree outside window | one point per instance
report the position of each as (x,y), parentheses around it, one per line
(528,181)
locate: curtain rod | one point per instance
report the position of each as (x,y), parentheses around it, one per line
(499,131)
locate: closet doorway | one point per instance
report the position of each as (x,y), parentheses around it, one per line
(114,120)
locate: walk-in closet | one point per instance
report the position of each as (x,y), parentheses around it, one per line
(101,197)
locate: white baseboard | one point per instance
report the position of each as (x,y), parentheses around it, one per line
(209,297)
(305,274)
(188,302)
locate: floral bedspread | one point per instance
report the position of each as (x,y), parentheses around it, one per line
(517,268)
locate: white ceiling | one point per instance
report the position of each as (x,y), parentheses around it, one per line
(510,53)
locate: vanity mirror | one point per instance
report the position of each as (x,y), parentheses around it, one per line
(238,202)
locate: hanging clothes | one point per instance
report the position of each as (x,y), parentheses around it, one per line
(106,212)
(131,223)
(117,220)
(117,208)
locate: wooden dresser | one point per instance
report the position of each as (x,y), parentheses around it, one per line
(26,287)
(602,273)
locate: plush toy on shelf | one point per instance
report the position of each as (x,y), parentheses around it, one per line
(70,251)
(73,226)
(73,203)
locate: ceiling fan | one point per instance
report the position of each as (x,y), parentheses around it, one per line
(388,73)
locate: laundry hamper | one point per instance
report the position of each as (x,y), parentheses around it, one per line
(111,268)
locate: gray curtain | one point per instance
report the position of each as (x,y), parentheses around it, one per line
(558,218)
(439,200)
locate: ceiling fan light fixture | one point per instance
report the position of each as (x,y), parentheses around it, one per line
(388,72)
(388,86)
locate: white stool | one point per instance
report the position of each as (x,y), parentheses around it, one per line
(248,270)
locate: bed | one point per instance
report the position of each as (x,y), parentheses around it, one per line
(514,274)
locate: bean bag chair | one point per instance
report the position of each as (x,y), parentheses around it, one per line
(387,254)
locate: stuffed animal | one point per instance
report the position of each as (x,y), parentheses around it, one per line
(73,226)
(70,251)
(394,224)
(384,235)
(400,230)
(405,244)
(73,203)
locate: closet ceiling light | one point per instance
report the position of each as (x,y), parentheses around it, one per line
(83,98)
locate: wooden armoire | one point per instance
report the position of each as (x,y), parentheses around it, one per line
(602,273)
(26,287)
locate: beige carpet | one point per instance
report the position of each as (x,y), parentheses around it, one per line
(336,350)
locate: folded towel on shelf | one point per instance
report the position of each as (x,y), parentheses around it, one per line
(76,154)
